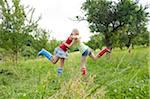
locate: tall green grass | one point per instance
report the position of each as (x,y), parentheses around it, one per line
(124,76)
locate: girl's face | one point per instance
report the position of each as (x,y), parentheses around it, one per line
(76,36)
(75,32)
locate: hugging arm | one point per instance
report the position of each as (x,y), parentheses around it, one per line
(75,36)
(69,45)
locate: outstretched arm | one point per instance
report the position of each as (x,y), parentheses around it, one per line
(69,45)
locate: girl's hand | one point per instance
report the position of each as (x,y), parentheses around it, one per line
(66,44)
(75,36)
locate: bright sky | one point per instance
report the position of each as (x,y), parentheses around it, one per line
(56,15)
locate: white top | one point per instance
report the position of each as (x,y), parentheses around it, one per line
(82,47)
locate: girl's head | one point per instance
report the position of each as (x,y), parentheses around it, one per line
(75,32)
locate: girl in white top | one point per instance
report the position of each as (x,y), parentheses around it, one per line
(87,51)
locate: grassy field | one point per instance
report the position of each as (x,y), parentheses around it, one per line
(124,76)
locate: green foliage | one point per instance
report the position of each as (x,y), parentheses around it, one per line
(3,55)
(96,41)
(19,33)
(108,17)
(28,52)
(14,27)
(52,44)
(142,39)
(39,40)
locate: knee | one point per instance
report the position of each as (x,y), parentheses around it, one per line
(54,62)
(96,58)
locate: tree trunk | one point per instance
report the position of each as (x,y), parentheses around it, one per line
(121,47)
(107,40)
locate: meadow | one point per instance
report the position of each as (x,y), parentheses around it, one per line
(123,76)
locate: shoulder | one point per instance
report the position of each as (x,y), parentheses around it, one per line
(69,38)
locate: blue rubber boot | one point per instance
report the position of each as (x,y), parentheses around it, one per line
(59,71)
(47,54)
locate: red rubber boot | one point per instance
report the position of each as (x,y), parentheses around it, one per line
(102,52)
(84,71)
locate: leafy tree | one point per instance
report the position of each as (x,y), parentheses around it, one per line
(42,38)
(142,39)
(108,17)
(15,26)
(96,41)
(52,44)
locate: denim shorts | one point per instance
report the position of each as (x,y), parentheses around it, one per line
(86,52)
(60,53)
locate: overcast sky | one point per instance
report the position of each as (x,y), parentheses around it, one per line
(57,15)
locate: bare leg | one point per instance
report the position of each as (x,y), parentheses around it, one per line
(62,60)
(55,59)
(102,52)
(83,61)
(97,56)
(82,65)
(93,56)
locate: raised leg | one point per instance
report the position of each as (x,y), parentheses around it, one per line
(47,54)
